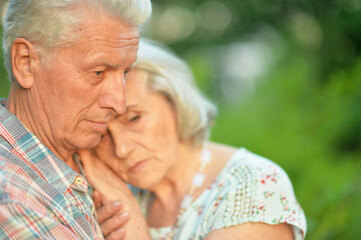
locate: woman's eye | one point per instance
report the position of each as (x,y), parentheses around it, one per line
(134,118)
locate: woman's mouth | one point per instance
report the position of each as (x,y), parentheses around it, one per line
(139,166)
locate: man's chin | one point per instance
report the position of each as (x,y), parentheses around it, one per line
(87,142)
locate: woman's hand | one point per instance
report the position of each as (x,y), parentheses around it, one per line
(110,219)
(103,179)
(109,189)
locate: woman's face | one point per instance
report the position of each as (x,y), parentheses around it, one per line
(141,144)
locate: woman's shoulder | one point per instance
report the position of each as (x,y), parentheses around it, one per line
(256,189)
(245,165)
(247,172)
(233,157)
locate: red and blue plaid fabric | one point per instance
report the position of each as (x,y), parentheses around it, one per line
(41,197)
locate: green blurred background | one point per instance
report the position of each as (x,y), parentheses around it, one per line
(286,76)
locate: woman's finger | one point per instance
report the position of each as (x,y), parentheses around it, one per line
(116,235)
(116,222)
(98,199)
(108,210)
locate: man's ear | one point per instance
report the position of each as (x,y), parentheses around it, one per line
(23,57)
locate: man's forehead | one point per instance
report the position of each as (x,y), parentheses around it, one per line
(110,31)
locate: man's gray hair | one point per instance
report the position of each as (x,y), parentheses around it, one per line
(171,77)
(51,23)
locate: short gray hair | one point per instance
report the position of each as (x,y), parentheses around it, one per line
(49,23)
(171,77)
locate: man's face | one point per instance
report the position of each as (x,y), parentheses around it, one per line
(82,85)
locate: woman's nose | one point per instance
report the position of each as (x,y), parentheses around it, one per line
(123,144)
(123,147)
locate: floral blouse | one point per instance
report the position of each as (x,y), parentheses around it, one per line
(249,189)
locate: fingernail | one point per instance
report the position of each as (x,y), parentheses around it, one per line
(120,232)
(124,215)
(117,204)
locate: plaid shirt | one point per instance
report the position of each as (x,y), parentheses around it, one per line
(41,197)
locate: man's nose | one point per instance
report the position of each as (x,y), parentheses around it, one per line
(113,95)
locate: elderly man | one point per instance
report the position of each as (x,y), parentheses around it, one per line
(67,61)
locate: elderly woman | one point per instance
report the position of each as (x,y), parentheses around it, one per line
(187,187)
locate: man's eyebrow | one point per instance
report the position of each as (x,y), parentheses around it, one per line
(111,65)
(105,63)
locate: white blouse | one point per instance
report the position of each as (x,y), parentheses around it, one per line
(250,188)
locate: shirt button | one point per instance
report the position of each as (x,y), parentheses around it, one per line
(79,180)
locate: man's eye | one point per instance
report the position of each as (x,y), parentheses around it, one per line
(98,73)
(105,134)
(126,74)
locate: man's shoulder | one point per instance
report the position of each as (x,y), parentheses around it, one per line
(17,178)
(5,147)
(5,155)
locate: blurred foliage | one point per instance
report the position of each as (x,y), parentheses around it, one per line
(4,83)
(302,110)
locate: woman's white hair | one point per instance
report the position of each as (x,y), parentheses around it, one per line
(51,23)
(171,77)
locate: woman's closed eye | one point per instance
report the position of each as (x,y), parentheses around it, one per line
(130,119)
(134,118)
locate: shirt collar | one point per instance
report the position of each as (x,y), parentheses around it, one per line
(29,147)
(3,101)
